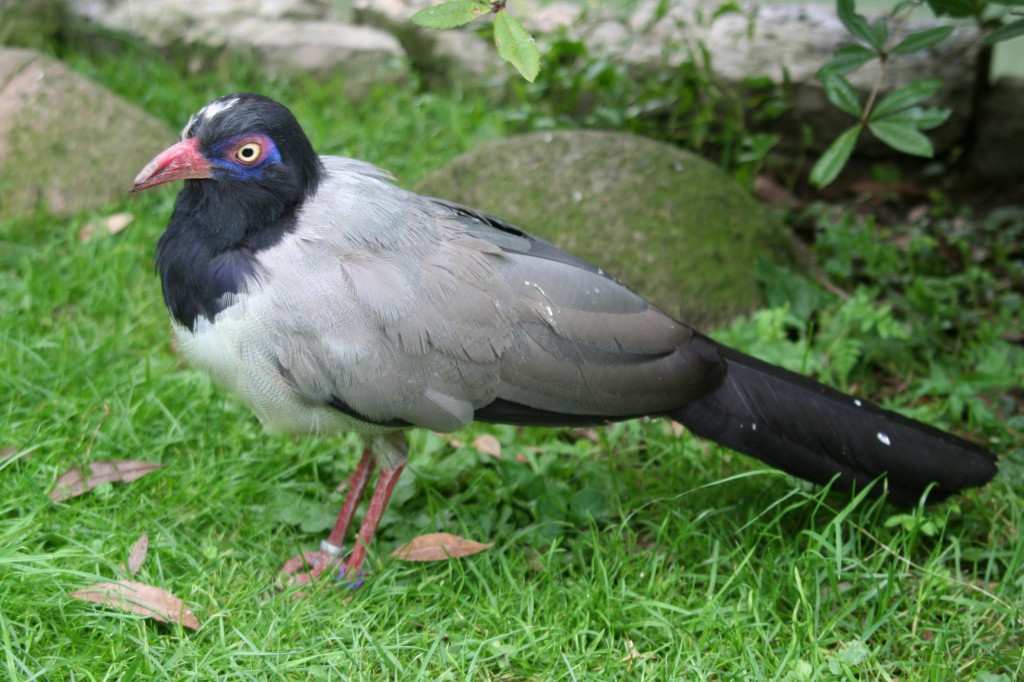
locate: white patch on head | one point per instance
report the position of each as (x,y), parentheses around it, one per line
(207,113)
(188,127)
(883,438)
(216,107)
(857,402)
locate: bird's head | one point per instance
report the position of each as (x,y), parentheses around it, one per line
(242,145)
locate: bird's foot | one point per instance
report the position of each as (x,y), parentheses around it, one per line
(314,563)
(328,558)
(350,584)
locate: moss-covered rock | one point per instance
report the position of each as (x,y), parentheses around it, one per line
(66,143)
(668,223)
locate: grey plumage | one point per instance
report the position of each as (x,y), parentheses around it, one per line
(403,309)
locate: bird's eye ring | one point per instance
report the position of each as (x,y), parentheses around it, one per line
(249,152)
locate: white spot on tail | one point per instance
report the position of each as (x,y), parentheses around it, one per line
(857,402)
(883,439)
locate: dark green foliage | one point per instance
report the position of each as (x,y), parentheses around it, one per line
(685,105)
(897,119)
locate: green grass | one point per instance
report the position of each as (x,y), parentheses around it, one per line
(630,553)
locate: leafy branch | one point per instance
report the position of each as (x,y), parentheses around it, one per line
(897,119)
(515,44)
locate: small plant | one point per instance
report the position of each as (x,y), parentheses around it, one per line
(515,44)
(685,105)
(897,119)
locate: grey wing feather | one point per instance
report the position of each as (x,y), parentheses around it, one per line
(407,308)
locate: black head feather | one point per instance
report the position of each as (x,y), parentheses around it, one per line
(219,223)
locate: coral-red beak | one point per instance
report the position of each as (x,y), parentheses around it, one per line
(180,162)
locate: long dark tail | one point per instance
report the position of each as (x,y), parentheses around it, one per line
(815,432)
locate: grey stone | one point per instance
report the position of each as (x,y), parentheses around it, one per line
(283,34)
(450,58)
(66,143)
(666,222)
(366,56)
(163,22)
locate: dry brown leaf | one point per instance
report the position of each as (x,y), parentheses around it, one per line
(72,483)
(587,434)
(488,445)
(142,599)
(1009,336)
(675,428)
(632,655)
(112,224)
(631,652)
(87,233)
(439,547)
(773,193)
(918,213)
(137,556)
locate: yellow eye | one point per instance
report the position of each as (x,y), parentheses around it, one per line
(249,152)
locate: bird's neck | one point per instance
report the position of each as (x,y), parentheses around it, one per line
(211,248)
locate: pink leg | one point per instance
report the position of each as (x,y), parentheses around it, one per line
(329,554)
(386,480)
(356,489)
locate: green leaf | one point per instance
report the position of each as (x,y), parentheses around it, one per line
(516,45)
(1011,30)
(848,58)
(879,32)
(785,287)
(840,92)
(835,157)
(855,23)
(726,8)
(902,136)
(919,117)
(922,40)
(854,653)
(929,117)
(955,8)
(874,34)
(450,14)
(991,677)
(911,522)
(907,96)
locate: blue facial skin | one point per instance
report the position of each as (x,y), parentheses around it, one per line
(224,162)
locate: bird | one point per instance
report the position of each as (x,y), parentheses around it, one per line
(331,300)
